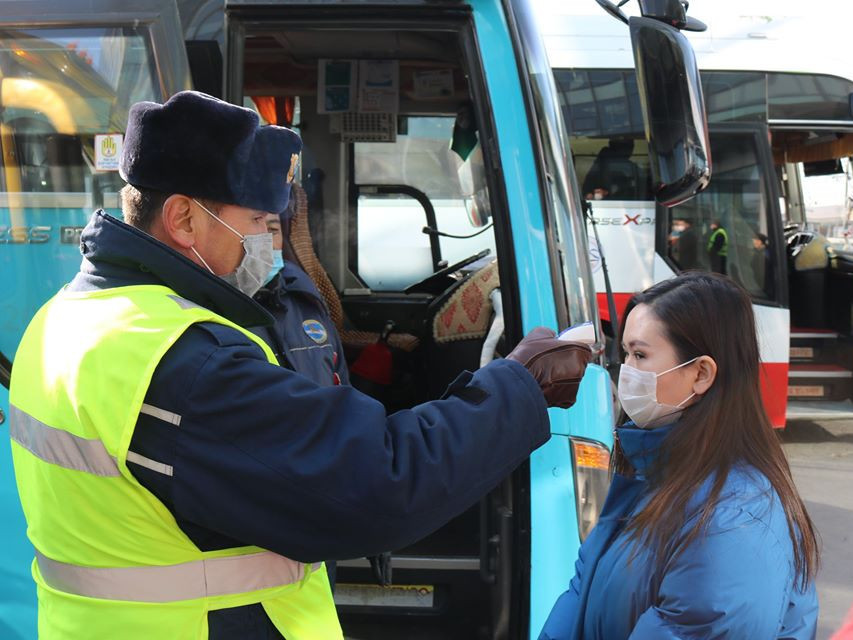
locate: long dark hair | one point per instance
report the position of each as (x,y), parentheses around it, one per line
(708,314)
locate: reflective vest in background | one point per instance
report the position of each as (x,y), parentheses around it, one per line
(111,562)
(724,249)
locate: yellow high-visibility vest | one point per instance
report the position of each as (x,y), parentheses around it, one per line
(111,562)
(724,250)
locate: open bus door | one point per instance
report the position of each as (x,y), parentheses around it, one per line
(67,79)
(393,108)
(744,201)
(404,122)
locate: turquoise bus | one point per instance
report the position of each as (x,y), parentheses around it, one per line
(436,201)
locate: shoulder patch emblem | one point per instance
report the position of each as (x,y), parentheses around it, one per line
(315,330)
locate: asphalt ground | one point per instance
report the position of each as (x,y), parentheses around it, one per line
(821,457)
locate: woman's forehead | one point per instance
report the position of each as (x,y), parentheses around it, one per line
(642,325)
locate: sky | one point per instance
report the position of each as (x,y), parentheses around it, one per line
(785,35)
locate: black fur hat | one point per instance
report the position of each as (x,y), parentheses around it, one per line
(200,146)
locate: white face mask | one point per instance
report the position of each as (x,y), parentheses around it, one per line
(252,272)
(638,396)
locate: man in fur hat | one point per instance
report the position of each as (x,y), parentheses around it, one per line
(177,481)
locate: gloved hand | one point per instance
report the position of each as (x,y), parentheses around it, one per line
(557,366)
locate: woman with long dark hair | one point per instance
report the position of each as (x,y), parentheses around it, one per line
(703,533)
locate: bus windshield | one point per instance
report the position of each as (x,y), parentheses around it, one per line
(558,173)
(65,92)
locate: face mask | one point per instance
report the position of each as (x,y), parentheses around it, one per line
(255,265)
(277,265)
(638,396)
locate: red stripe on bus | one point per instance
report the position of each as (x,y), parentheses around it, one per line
(774,391)
(621,301)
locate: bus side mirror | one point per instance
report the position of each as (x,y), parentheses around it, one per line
(673,110)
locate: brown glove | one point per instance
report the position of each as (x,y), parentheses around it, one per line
(557,366)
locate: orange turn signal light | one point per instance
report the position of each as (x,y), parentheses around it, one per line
(590,456)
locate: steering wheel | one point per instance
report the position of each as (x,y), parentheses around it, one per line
(438,281)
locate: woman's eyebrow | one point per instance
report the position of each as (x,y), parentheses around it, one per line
(636,343)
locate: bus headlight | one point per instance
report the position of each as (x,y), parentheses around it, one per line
(591,463)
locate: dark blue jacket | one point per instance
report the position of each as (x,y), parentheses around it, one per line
(266,457)
(303,337)
(734,581)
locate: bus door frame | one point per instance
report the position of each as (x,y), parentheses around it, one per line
(759,134)
(504,512)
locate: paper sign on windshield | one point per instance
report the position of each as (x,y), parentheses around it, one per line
(107,151)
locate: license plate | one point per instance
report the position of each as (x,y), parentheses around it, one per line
(806,391)
(802,352)
(371,595)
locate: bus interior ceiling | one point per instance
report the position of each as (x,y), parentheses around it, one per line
(803,145)
(287,65)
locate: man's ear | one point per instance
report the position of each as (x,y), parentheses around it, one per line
(705,375)
(180,220)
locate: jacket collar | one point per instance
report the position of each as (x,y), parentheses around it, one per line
(116,254)
(642,447)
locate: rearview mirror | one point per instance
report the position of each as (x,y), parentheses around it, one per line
(673,110)
(478,213)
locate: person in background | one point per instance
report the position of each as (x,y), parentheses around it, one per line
(303,336)
(684,244)
(176,480)
(718,247)
(761,263)
(703,533)
(613,175)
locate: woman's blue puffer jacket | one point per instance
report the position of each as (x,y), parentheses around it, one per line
(735,581)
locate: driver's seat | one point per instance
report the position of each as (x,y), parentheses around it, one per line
(459,321)
(300,241)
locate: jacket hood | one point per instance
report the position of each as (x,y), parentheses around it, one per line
(117,254)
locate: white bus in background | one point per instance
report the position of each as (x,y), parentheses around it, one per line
(778,83)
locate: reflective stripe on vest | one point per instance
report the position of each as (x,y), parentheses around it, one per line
(187,581)
(60,447)
(73,452)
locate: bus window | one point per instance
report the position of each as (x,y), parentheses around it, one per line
(604,118)
(612,168)
(600,102)
(59,88)
(393,251)
(735,96)
(810,97)
(726,229)
(818,179)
